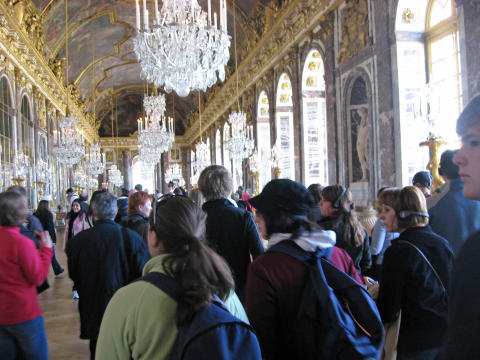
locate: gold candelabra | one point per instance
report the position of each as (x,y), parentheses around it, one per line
(434,143)
(278,172)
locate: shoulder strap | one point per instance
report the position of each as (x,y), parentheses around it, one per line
(289,247)
(426,260)
(163,282)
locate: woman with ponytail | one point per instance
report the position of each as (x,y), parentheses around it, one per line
(141,321)
(339,215)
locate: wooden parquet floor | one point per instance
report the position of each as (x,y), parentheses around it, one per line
(60,313)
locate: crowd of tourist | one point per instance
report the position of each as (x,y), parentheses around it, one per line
(290,273)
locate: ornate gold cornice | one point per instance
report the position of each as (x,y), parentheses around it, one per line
(292,25)
(20,48)
(131,143)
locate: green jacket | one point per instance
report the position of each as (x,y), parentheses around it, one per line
(140,320)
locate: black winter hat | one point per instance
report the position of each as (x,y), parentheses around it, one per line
(424,178)
(285,194)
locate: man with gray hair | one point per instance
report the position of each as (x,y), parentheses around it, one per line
(231,231)
(101,260)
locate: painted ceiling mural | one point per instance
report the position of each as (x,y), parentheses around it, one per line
(115,67)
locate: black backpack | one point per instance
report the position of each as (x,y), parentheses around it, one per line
(337,318)
(213,333)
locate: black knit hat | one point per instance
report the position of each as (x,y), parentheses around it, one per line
(285,194)
(424,178)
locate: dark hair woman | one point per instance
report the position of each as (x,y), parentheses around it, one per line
(45,216)
(338,215)
(415,275)
(141,321)
(22,268)
(75,222)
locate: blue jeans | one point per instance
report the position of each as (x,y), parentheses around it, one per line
(26,340)
(430,354)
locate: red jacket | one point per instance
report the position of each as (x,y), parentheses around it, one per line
(274,287)
(22,268)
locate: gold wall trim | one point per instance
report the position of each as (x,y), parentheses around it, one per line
(291,27)
(21,51)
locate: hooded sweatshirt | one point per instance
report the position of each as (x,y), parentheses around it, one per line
(274,288)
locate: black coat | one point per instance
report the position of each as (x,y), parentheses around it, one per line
(138,222)
(234,235)
(99,263)
(463,337)
(361,255)
(408,284)
(46,219)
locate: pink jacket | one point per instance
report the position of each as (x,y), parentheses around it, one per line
(79,224)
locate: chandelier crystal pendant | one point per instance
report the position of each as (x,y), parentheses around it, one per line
(184,49)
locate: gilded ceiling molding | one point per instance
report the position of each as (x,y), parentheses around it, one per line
(20,47)
(299,18)
(131,142)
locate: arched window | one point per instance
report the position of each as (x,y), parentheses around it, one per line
(263,139)
(140,176)
(6,133)
(444,72)
(192,167)
(209,156)
(218,147)
(314,119)
(227,161)
(284,125)
(433,59)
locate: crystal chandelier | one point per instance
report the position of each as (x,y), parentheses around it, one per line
(115,176)
(69,149)
(275,157)
(79,177)
(202,159)
(156,132)
(241,143)
(174,172)
(20,167)
(254,162)
(183,50)
(95,162)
